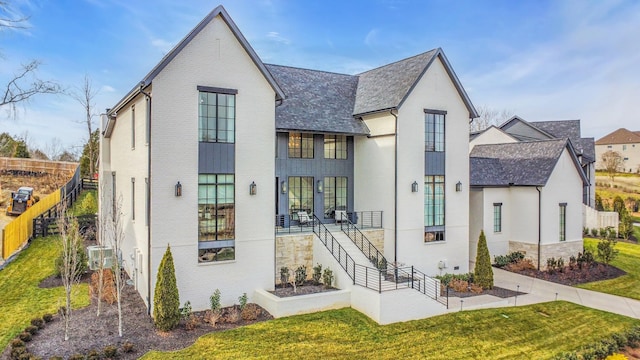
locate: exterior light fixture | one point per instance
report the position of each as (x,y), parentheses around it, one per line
(414,186)
(178,189)
(458,186)
(253,188)
(319,186)
(283,187)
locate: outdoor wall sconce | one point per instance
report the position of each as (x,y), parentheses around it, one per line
(319,186)
(178,189)
(414,186)
(458,186)
(253,188)
(283,187)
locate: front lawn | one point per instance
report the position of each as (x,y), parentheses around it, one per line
(529,332)
(628,260)
(20,297)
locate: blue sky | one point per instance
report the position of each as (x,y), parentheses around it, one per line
(542,60)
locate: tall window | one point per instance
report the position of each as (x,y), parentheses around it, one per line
(216,217)
(335,146)
(335,195)
(300,194)
(434,208)
(563,221)
(217,117)
(434,132)
(133,198)
(300,145)
(497,217)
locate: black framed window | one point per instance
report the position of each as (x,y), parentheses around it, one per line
(300,145)
(335,195)
(217,117)
(434,132)
(216,217)
(563,222)
(335,147)
(497,217)
(434,208)
(300,195)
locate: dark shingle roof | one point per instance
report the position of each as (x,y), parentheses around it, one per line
(316,101)
(385,87)
(521,164)
(560,128)
(620,136)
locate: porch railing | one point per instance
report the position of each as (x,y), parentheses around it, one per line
(366,219)
(361,241)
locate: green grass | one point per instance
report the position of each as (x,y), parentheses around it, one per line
(20,297)
(529,332)
(628,259)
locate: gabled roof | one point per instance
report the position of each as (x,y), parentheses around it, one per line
(218,11)
(620,136)
(388,86)
(475,134)
(317,101)
(518,164)
(560,128)
(534,133)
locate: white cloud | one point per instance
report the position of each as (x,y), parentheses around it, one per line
(275,36)
(161,44)
(371,37)
(107,88)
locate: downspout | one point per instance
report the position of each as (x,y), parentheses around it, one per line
(395,190)
(539,224)
(275,246)
(148,130)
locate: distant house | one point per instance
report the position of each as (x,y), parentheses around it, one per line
(236,163)
(527,196)
(625,142)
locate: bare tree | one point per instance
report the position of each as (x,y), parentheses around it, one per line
(53,148)
(70,240)
(489,116)
(612,162)
(24,84)
(114,232)
(85,95)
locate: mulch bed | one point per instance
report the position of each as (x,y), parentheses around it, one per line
(89,332)
(309,287)
(576,276)
(496,291)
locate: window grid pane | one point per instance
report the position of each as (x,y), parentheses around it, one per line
(497,217)
(434,132)
(335,195)
(563,222)
(216,216)
(216,118)
(300,195)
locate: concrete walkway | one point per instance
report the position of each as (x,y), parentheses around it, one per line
(538,291)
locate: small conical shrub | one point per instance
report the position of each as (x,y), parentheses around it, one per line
(166,301)
(483,273)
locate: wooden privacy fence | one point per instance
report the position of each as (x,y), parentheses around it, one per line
(19,230)
(36,166)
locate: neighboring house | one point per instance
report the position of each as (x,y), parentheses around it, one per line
(625,142)
(213,145)
(526,196)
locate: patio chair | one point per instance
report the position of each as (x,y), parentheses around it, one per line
(305,219)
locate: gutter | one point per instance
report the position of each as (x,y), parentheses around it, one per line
(148,130)
(539,224)
(395,190)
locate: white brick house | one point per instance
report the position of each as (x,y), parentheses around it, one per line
(213,145)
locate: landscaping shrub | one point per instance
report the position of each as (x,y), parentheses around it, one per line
(47,318)
(501,261)
(233,315)
(190,321)
(301,275)
(521,265)
(242,300)
(214,300)
(483,273)
(447,278)
(603,233)
(37,322)
(110,352)
(17,343)
(166,301)
(284,276)
(317,273)
(327,277)
(594,232)
(31,329)
(459,285)
(606,250)
(25,336)
(76,357)
(109,294)
(93,354)
(573,262)
(250,312)
(127,347)
(17,353)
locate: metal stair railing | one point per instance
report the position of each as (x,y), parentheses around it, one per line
(334,247)
(360,240)
(408,276)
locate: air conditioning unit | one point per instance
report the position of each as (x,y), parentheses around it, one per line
(97,252)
